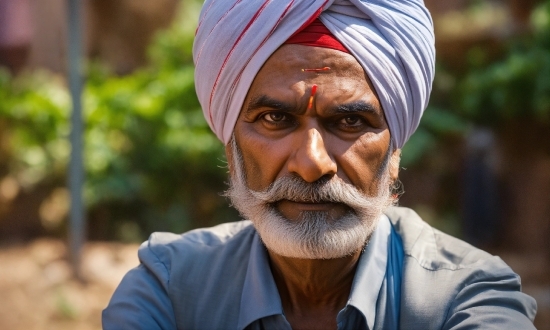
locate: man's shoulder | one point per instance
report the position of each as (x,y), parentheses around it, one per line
(188,281)
(200,238)
(197,248)
(432,248)
(458,278)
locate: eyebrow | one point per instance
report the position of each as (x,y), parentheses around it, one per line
(354,107)
(264,101)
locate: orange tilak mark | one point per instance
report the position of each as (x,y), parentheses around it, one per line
(310,102)
(326,68)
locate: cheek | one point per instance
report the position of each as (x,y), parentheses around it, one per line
(263,159)
(360,162)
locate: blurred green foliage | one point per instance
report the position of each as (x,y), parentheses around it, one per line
(517,86)
(436,124)
(151,158)
(33,125)
(151,161)
(153,164)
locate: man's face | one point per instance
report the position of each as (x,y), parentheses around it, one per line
(340,142)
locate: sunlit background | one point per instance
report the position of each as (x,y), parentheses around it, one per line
(477,168)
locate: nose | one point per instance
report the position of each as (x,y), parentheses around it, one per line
(310,159)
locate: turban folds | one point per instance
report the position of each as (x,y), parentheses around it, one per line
(393,40)
(316,35)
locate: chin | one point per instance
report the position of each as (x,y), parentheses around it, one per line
(315,235)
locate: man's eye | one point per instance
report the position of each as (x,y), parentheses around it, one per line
(275,117)
(352,121)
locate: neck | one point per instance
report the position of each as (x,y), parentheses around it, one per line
(313,290)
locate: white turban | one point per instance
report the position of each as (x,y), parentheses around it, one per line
(393,40)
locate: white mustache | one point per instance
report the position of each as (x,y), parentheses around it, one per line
(293,188)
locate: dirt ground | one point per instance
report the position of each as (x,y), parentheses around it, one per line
(37,290)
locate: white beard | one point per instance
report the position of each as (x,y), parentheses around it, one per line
(315,235)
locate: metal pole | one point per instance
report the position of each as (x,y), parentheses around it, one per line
(76,168)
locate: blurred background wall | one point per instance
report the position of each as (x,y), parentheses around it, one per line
(477,168)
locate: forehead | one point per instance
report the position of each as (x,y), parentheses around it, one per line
(285,66)
(295,54)
(282,78)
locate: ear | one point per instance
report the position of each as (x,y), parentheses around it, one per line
(394,164)
(229,158)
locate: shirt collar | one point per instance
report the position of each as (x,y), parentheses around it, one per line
(260,297)
(371,271)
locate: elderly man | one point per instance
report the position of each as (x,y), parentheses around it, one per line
(314,99)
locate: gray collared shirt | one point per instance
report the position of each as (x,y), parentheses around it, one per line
(261,306)
(432,281)
(231,265)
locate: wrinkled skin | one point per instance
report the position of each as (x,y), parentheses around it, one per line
(343,134)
